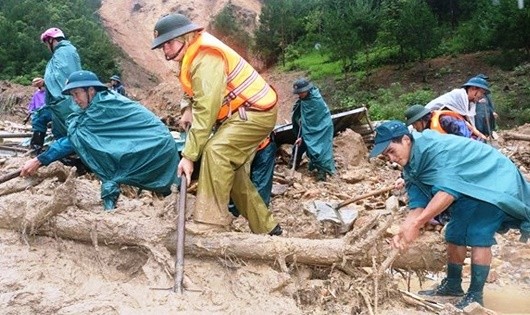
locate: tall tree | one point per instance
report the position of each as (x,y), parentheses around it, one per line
(416,31)
(349,26)
(512,26)
(281,24)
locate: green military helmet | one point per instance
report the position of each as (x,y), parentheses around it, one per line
(83,79)
(415,113)
(172,26)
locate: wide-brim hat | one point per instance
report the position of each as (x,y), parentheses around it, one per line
(301,85)
(83,79)
(172,26)
(385,133)
(478,82)
(415,113)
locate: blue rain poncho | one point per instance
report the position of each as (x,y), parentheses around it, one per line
(471,168)
(123,143)
(313,115)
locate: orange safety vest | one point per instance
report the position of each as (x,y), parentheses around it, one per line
(264,143)
(245,86)
(435,119)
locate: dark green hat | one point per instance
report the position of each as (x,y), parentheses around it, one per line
(172,26)
(415,113)
(301,85)
(83,79)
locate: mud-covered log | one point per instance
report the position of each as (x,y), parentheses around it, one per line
(308,251)
(124,228)
(516,136)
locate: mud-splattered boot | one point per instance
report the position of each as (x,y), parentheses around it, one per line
(321,176)
(479,275)
(469,298)
(450,286)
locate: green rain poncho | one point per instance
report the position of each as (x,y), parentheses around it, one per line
(471,168)
(124,143)
(313,114)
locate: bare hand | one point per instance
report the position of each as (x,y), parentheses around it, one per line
(30,167)
(186,118)
(407,234)
(185,167)
(298,141)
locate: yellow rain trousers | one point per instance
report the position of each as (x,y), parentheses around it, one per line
(225,169)
(227,154)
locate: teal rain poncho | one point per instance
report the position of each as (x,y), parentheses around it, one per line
(471,168)
(124,143)
(64,61)
(313,114)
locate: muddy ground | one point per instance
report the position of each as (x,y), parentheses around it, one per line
(62,254)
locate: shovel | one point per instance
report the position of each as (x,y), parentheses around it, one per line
(354,199)
(181,222)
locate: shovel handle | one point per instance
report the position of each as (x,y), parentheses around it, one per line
(357,198)
(296,150)
(181,222)
(9,176)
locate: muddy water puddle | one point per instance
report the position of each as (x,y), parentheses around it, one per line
(509,299)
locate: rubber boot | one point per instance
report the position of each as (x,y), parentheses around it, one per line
(450,286)
(277,231)
(37,141)
(321,176)
(479,275)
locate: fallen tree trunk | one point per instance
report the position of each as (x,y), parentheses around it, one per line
(516,136)
(129,229)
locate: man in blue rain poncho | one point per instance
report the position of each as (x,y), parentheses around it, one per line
(118,139)
(313,126)
(483,190)
(58,107)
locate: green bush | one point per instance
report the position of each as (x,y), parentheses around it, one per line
(391,103)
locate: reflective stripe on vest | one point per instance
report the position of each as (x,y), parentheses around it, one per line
(435,119)
(245,86)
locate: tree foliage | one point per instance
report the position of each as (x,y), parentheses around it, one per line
(395,31)
(349,27)
(23,56)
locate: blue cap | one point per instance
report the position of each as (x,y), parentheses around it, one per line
(384,134)
(478,82)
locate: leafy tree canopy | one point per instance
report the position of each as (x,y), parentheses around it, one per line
(23,56)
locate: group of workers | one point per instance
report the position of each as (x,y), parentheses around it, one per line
(449,169)
(230,112)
